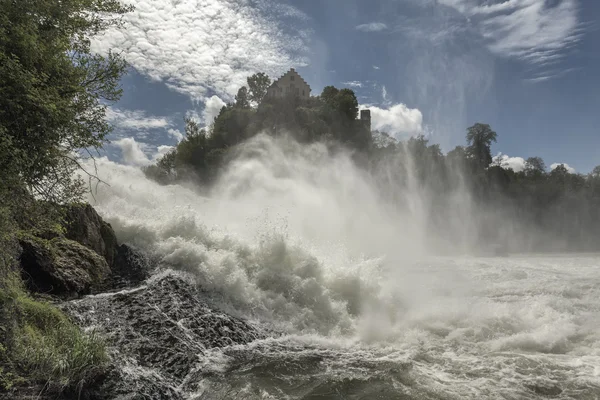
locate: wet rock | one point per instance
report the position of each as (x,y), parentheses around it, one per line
(160,332)
(85,226)
(61,267)
(130,267)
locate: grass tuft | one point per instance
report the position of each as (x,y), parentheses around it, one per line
(41,345)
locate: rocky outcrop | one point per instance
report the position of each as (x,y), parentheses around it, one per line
(61,267)
(158,335)
(87,259)
(85,226)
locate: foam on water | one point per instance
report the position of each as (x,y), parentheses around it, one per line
(299,240)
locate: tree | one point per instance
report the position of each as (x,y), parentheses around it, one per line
(328,94)
(241,99)
(258,85)
(53,89)
(480,138)
(596,171)
(456,158)
(345,103)
(535,166)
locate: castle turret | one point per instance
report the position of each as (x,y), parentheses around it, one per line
(365,117)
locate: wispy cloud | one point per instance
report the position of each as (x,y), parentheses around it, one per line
(135,119)
(376,67)
(535,31)
(355,84)
(175,134)
(372,27)
(209,47)
(397,120)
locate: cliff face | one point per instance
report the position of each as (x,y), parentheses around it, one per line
(86,259)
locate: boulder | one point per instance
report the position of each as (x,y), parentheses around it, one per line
(85,226)
(61,267)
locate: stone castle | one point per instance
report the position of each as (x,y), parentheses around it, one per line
(292,84)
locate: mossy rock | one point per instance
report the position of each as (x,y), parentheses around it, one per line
(61,267)
(85,226)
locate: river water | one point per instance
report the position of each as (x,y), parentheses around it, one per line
(301,246)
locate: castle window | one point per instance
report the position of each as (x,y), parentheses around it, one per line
(292,77)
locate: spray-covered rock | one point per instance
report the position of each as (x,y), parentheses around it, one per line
(158,334)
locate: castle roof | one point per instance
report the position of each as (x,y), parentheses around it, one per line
(291,71)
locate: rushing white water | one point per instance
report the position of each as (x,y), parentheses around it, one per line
(298,240)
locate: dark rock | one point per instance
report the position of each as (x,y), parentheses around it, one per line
(159,330)
(61,267)
(85,226)
(130,267)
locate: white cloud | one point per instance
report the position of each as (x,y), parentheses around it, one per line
(134,119)
(517,164)
(353,84)
(212,107)
(532,30)
(175,134)
(376,67)
(569,168)
(372,27)
(398,120)
(193,115)
(161,151)
(214,44)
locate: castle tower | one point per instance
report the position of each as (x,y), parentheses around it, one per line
(365,117)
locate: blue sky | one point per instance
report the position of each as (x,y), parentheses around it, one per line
(529,68)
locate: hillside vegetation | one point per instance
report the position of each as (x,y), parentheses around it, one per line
(52,95)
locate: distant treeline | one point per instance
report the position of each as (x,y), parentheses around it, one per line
(469,200)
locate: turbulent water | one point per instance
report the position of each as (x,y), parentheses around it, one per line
(345,299)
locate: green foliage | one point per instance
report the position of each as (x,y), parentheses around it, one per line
(479,139)
(258,85)
(53,93)
(52,89)
(328,94)
(37,341)
(535,166)
(241,99)
(345,103)
(41,344)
